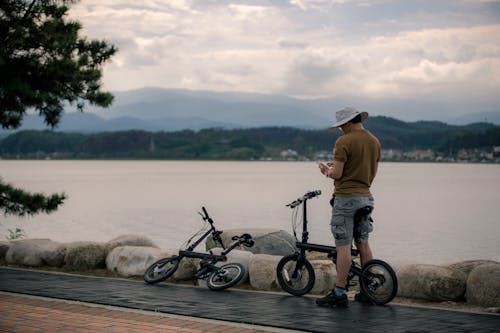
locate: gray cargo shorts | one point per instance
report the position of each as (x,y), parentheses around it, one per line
(342,222)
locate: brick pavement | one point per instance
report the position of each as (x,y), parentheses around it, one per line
(24,314)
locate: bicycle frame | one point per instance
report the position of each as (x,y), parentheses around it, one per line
(208,259)
(212,258)
(218,278)
(304,245)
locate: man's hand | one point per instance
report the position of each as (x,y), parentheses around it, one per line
(325,168)
(332,169)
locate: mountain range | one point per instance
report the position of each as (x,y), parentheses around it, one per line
(156,109)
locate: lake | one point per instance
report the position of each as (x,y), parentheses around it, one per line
(424,212)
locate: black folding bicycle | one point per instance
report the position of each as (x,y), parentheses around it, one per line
(295,274)
(218,278)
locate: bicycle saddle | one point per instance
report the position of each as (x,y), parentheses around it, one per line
(362,213)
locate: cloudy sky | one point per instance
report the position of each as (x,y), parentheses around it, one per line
(438,53)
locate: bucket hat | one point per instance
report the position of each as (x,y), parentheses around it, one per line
(346,114)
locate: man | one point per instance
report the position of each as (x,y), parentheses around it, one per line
(354,166)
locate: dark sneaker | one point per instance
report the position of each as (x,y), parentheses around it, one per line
(333,300)
(361,297)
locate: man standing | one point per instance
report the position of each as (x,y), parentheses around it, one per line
(354,166)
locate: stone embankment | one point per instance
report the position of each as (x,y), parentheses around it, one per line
(475,282)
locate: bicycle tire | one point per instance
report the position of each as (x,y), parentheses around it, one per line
(295,282)
(161,270)
(378,282)
(226,276)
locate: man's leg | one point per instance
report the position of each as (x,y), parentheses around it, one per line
(342,230)
(343,264)
(365,252)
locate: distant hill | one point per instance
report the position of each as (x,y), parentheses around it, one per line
(155,109)
(244,144)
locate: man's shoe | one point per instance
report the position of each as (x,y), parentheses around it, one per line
(362,298)
(333,300)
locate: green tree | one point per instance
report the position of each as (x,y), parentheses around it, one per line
(18,202)
(44,63)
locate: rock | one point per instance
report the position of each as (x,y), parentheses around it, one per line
(187,269)
(267,241)
(4,247)
(483,285)
(130,240)
(131,260)
(430,282)
(35,252)
(262,272)
(326,274)
(467,266)
(83,256)
(313,255)
(493,310)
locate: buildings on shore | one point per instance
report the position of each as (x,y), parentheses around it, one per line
(476,155)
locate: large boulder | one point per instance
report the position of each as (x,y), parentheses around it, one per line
(430,282)
(483,285)
(262,272)
(326,274)
(83,256)
(267,241)
(131,260)
(35,252)
(4,247)
(468,265)
(130,240)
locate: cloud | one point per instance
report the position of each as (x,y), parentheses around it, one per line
(308,48)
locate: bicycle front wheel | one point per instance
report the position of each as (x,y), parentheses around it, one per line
(378,282)
(161,270)
(226,276)
(294,279)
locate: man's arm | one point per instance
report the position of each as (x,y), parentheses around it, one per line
(333,169)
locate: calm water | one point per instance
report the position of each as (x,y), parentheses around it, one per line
(425,213)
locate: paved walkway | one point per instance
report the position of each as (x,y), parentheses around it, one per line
(24,313)
(277,311)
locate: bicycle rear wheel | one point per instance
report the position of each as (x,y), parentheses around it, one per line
(378,282)
(294,279)
(161,270)
(226,276)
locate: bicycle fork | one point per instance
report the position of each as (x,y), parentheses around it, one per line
(297,271)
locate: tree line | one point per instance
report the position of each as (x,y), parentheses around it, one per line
(241,144)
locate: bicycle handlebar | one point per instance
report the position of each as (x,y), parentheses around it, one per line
(303,198)
(205,216)
(245,239)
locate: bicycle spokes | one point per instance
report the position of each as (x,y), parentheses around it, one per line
(295,276)
(226,274)
(379,281)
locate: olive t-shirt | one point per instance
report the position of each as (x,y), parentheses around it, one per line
(360,152)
